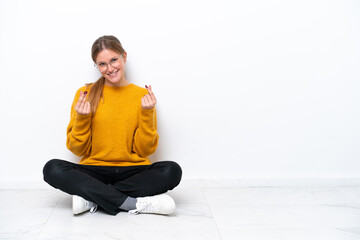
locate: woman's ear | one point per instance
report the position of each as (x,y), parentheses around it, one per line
(125,56)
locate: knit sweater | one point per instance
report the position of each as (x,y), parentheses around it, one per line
(120,133)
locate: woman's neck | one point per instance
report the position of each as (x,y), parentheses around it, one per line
(122,83)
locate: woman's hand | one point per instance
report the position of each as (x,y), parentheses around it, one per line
(82,107)
(149,100)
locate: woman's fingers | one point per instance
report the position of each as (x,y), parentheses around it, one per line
(78,102)
(82,101)
(148,101)
(81,106)
(151,93)
(87,108)
(144,104)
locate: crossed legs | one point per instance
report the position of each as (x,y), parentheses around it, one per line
(109,186)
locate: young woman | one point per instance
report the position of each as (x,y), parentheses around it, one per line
(113,127)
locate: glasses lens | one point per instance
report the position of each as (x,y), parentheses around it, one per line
(101,66)
(115,62)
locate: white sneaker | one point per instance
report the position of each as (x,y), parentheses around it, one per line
(81,205)
(158,204)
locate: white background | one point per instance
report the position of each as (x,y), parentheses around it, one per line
(246,89)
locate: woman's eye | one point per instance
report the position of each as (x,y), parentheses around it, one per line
(101,64)
(114,60)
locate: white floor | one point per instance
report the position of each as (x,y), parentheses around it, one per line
(202,213)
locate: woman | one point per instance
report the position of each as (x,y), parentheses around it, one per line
(113,127)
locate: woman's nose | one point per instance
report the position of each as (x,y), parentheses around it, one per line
(109,67)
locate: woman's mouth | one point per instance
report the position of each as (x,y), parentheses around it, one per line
(112,75)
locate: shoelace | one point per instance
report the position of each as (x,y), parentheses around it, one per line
(92,206)
(144,207)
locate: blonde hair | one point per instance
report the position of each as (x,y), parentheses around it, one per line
(96,90)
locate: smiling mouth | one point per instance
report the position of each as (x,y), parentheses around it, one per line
(113,74)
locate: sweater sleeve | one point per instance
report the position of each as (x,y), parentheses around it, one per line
(146,136)
(79,131)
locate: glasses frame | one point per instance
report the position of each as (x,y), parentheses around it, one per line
(106,66)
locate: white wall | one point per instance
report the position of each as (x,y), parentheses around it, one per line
(246,89)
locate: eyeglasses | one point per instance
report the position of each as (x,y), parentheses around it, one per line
(114,62)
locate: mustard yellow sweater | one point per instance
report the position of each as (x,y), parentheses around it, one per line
(120,133)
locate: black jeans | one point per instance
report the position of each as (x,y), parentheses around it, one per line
(109,186)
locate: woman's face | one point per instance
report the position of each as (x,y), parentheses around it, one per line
(111,64)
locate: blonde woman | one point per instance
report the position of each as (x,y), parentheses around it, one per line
(113,127)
